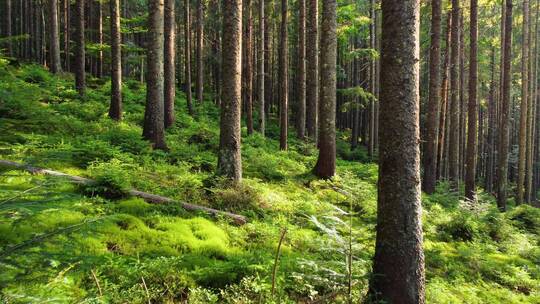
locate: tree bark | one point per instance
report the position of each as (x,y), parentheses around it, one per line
(432,127)
(326,163)
(301,111)
(524,106)
(187,56)
(470,173)
(261,63)
(153,128)
(8,22)
(230,158)
(399,259)
(169,62)
(443,119)
(115,110)
(247,73)
(312,64)
(199,85)
(453,153)
(54,38)
(502,170)
(283,78)
(80,77)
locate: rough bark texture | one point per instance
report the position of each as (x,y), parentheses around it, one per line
(230,159)
(54,38)
(199,84)
(80,77)
(312,64)
(301,109)
(247,73)
(326,164)
(502,169)
(153,128)
(169,62)
(115,109)
(187,56)
(524,104)
(470,173)
(432,121)
(261,61)
(453,152)
(399,259)
(283,78)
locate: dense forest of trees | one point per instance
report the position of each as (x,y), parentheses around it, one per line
(434,91)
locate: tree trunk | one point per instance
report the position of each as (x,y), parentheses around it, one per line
(492,125)
(54,39)
(432,127)
(301,111)
(153,129)
(372,71)
(443,120)
(312,64)
(99,71)
(399,259)
(8,33)
(247,73)
(169,62)
(80,77)
(283,78)
(115,110)
(230,158)
(261,63)
(199,52)
(453,153)
(470,173)
(326,164)
(502,170)
(524,107)
(187,56)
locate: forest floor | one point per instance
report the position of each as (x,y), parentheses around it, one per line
(64,243)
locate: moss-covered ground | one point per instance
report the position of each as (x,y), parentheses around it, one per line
(63,243)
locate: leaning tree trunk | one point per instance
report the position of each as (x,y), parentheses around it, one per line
(504,136)
(169,62)
(524,107)
(153,128)
(432,121)
(230,158)
(453,153)
(115,110)
(199,84)
(470,173)
(326,164)
(301,110)
(261,76)
(283,78)
(312,65)
(398,268)
(80,77)
(187,56)
(54,39)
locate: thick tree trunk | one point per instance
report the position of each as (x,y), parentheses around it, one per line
(283,78)
(115,110)
(502,170)
(80,77)
(326,164)
(153,128)
(247,73)
(470,173)
(187,56)
(432,127)
(312,64)
(230,158)
(169,62)
(398,266)
(301,109)
(261,63)
(54,38)
(453,153)
(199,84)
(523,134)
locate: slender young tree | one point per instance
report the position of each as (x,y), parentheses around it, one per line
(453,152)
(80,77)
(523,134)
(169,62)
(153,127)
(115,109)
(312,64)
(283,78)
(504,136)
(247,73)
(7,24)
(326,163)
(470,173)
(54,38)
(301,87)
(432,127)
(199,84)
(261,76)
(230,158)
(399,258)
(187,56)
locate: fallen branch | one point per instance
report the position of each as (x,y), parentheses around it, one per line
(151,198)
